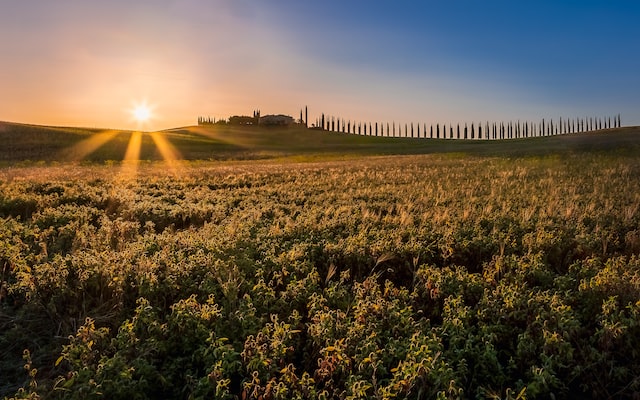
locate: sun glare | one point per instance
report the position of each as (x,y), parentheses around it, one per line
(142,112)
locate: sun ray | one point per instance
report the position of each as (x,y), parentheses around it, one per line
(169,153)
(81,150)
(129,168)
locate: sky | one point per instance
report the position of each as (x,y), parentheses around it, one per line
(89,63)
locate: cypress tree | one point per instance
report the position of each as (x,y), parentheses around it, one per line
(437,131)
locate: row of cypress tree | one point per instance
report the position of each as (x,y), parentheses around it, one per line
(484,130)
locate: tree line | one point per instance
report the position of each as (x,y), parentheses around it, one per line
(482,130)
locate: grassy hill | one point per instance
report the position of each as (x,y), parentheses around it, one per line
(23,142)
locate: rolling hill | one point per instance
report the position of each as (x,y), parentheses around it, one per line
(24,142)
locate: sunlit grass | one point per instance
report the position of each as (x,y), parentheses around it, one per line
(169,152)
(81,150)
(131,159)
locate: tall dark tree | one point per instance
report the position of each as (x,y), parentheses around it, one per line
(438,131)
(306,117)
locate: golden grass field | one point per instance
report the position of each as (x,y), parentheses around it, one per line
(252,263)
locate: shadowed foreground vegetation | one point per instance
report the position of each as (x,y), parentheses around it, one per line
(430,276)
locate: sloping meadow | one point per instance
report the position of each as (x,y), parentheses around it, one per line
(393,277)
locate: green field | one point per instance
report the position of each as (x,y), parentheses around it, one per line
(224,143)
(372,268)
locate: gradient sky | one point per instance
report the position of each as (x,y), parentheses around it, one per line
(87,63)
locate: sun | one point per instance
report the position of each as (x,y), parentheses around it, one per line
(142,112)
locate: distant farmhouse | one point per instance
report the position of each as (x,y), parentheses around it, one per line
(277,120)
(256,119)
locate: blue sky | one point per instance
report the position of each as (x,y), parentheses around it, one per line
(74,62)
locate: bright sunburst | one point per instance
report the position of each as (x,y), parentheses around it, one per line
(142,112)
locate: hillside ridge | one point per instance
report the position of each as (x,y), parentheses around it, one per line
(28,142)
